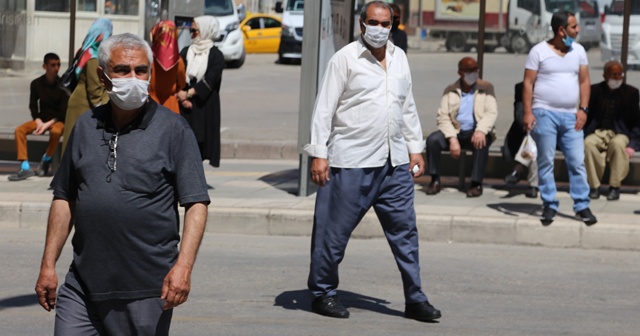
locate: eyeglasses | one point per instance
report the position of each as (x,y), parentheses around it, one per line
(113,154)
(384,24)
(193,30)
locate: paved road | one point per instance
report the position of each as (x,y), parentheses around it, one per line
(260,100)
(255,285)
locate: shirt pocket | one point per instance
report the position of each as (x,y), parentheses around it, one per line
(143,178)
(399,87)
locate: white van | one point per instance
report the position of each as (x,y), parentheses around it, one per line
(291,36)
(230,42)
(611,42)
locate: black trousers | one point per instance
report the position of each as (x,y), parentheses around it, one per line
(436,143)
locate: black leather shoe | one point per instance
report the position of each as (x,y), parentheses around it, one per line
(532,192)
(474,191)
(329,306)
(614,194)
(434,187)
(548,216)
(594,193)
(422,311)
(587,217)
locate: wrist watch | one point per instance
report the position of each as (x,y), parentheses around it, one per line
(585,109)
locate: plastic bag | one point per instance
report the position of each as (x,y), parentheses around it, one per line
(529,149)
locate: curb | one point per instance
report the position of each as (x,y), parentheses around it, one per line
(526,230)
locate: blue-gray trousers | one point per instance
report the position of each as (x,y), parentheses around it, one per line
(341,204)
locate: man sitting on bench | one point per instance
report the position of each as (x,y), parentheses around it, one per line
(466,119)
(48,105)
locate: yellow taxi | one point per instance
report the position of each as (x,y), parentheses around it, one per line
(261,33)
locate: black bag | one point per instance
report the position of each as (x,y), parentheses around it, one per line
(69,80)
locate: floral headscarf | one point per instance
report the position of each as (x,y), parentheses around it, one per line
(164,43)
(99,31)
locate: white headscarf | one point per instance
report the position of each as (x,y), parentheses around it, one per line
(198,53)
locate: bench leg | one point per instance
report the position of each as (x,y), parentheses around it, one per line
(461,170)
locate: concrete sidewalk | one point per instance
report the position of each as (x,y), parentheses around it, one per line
(258,197)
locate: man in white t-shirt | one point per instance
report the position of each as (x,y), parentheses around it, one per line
(556,78)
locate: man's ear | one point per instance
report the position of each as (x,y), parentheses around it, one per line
(44,66)
(100,73)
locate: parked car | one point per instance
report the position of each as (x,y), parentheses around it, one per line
(261,33)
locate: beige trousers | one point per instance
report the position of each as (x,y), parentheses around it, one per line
(606,146)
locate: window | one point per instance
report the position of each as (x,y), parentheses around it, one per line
(295,5)
(617,7)
(52,5)
(271,23)
(64,5)
(218,7)
(588,9)
(254,23)
(558,5)
(121,7)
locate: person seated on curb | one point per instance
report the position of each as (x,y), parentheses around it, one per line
(514,142)
(466,118)
(612,133)
(48,105)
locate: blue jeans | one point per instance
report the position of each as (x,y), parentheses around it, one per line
(557,129)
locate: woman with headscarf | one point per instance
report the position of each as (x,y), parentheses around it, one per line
(168,74)
(89,92)
(200,100)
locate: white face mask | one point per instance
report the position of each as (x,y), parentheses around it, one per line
(471,78)
(376,36)
(128,93)
(614,83)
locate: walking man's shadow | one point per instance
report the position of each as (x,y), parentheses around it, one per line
(301,300)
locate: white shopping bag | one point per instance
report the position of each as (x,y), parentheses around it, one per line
(529,149)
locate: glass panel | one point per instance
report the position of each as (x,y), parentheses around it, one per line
(588,9)
(86,5)
(121,7)
(617,7)
(297,5)
(271,23)
(52,5)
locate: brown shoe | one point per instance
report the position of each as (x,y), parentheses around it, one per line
(474,191)
(434,187)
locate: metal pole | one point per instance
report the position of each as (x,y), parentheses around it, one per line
(625,36)
(72,30)
(481,26)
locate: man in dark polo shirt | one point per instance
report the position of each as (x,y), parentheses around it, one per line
(127,166)
(48,106)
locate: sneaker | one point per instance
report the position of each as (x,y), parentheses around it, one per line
(587,217)
(21,175)
(548,216)
(43,168)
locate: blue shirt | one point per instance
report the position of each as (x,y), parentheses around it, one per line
(465,113)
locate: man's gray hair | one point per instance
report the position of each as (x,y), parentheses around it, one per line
(127,41)
(363,12)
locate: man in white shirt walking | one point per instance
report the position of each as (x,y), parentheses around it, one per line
(366,140)
(556,78)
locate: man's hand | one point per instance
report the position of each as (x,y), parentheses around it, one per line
(42,127)
(416,159)
(529,121)
(581,120)
(46,288)
(629,151)
(181,95)
(320,171)
(479,140)
(176,286)
(187,104)
(454,147)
